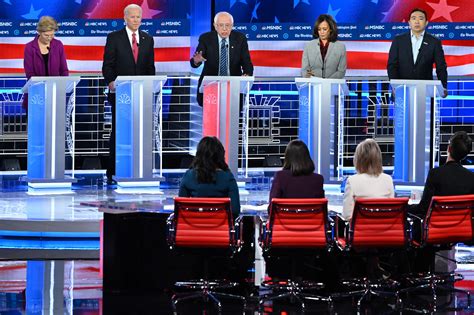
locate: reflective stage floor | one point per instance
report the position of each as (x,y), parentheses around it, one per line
(49,251)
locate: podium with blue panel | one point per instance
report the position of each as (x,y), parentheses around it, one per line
(138,125)
(321,107)
(221,109)
(414,134)
(47,130)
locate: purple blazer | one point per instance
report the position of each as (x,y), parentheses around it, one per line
(285,185)
(34,63)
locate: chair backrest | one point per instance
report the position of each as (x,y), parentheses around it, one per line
(449,220)
(298,223)
(379,222)
(203,222)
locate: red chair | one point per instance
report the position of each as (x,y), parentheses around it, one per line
(377,225)
(204,223)
(449,220)
(295,224)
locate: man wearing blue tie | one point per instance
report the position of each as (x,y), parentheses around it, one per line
(224,52)
(413,54)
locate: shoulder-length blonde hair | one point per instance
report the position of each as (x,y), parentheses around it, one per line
(46,24)
(368,158)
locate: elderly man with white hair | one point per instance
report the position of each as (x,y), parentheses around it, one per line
(224,51)
(128,51)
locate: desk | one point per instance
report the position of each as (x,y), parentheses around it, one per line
(136,256)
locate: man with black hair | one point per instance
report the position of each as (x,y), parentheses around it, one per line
(451,178)
(413,54)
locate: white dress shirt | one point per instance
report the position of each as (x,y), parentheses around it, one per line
(137,36)
(416,42)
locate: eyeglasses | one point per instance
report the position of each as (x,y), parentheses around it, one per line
(49,35)
(224,26)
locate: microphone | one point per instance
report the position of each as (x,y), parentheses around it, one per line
(48,48)
(138,44)
(322,69)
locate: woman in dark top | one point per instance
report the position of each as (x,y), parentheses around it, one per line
(297,179)
(209,175)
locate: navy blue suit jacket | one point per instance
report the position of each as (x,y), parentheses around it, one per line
(118,56)
(400,59)
(239,56)
(449,179)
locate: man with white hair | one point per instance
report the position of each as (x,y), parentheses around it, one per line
(128,51)
(224,52)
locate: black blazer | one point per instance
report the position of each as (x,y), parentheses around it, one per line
(118,56)
(448,180)
(239,56)
(400,59)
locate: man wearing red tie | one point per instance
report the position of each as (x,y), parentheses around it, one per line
(128,51)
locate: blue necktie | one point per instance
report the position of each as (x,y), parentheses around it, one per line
(223,59)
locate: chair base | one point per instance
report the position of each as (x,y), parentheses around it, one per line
(293,290)
(435,281)
(381,288)
(206,292)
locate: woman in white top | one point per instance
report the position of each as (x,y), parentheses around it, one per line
(370,181)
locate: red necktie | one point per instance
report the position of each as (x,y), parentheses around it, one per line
(134,47)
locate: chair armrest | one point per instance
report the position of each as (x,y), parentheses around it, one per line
(238,231)
(331,233)
(413,222)
(342,233)
(265,232)
(170,230)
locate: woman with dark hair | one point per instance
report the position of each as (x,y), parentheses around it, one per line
(297,178)
(209,175)
(324,56)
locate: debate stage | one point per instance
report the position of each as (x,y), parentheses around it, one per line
(50,245)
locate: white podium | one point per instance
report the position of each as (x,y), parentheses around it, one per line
(320,113)
(414,135)
(137,124)
(47,130)
(221,108)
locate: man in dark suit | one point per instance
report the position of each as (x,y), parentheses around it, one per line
(128,51)
(412,54)
(448,180)
(223,51)
(451,178)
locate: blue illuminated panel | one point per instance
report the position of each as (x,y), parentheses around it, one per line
(36,131)
(124,130)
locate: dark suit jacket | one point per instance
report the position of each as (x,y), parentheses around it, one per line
(118,56)
(239,56)
(448,180)
(286,185)
(400,59)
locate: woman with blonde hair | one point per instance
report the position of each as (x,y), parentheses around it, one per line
(370,181)
(44,55)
